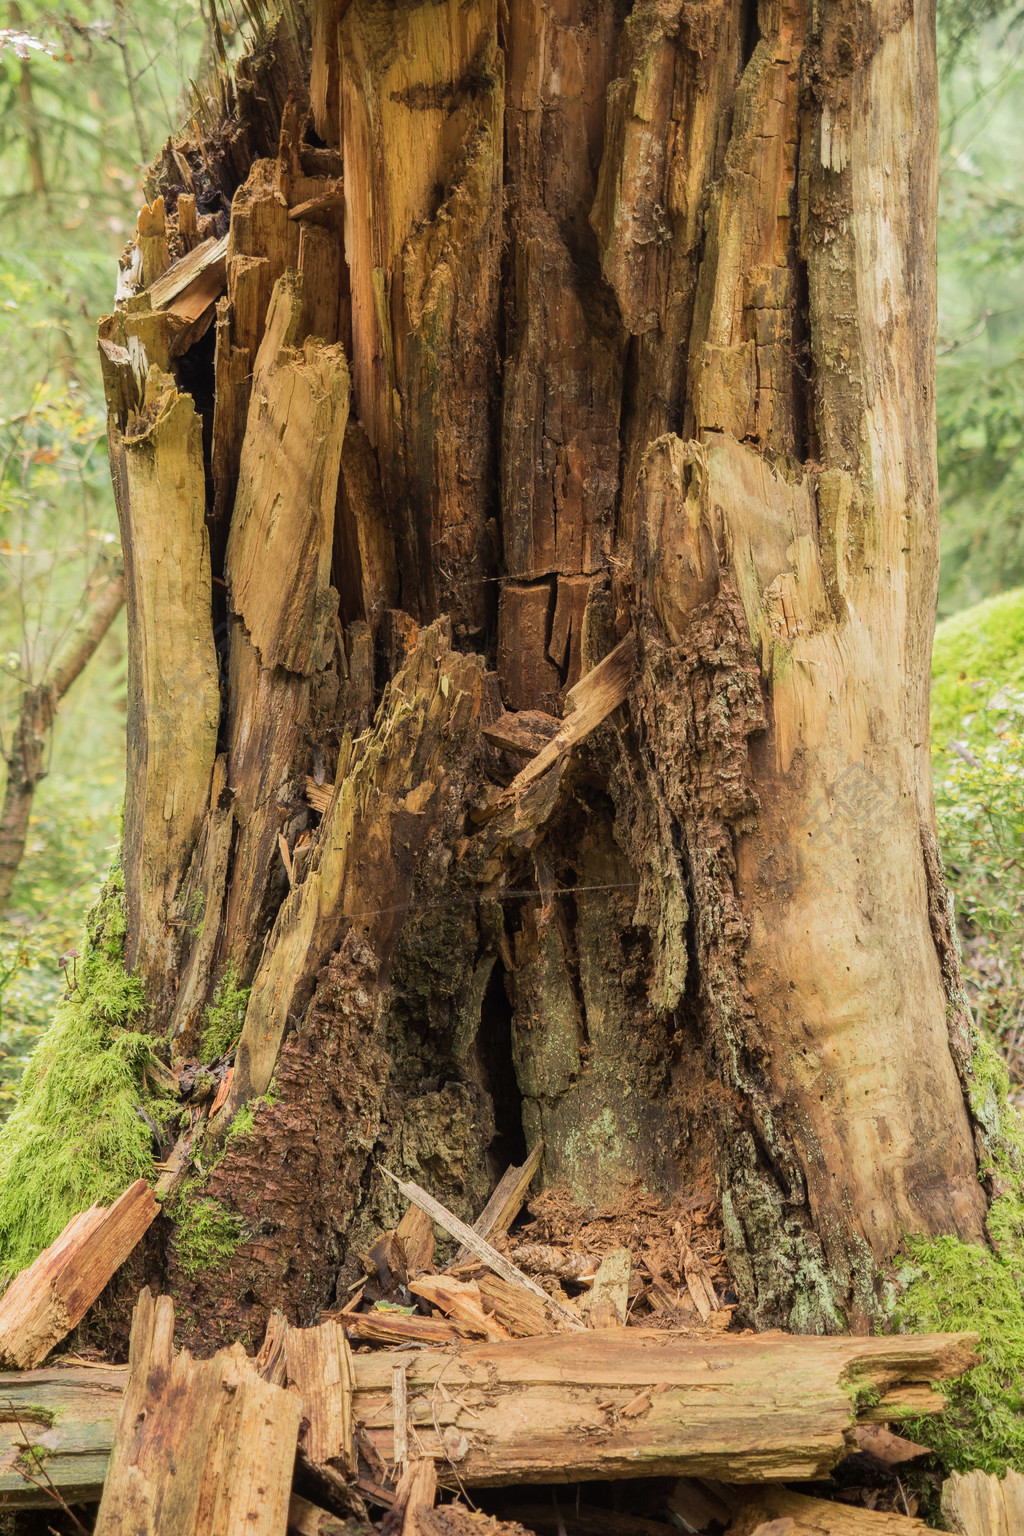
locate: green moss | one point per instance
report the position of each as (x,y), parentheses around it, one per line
(986,643)
(224,1017)
(76,1135)
(947,1285)
(207,1234)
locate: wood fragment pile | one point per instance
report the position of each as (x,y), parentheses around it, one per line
(511,1366)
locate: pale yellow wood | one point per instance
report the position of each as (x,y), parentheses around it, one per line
(282,529)
(319,1367)
(980,1504)
(203,1448)
(780,1512)
(173,685)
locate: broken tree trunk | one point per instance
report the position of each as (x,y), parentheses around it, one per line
(560,1408)
(565,357)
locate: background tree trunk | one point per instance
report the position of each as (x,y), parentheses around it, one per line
(542,327)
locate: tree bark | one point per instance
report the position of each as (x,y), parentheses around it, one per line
(547,329)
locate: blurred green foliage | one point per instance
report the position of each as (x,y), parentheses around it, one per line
(88,92)
(980,381)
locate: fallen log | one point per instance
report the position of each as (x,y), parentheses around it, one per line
(633,1403)
(568,1407)
(45,1301)
(64,1416)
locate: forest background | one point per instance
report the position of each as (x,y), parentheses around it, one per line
(88,94)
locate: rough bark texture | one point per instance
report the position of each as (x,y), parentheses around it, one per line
(539,328)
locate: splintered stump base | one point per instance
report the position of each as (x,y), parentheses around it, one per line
(562,1408)
(203,1447)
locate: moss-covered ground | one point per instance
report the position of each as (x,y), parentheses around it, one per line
(77,1135)
(982,644)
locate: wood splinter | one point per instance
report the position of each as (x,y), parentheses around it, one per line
(49,1298)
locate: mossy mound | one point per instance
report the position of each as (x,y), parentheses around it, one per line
(983,644)
(950,1286)
(76,1135)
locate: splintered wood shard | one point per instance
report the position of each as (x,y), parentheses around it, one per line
(203,1447)
(621,1403)
(319,1366)
(476,1245)
(49,1298)
(592,700)
(979,1504)
(506,1202)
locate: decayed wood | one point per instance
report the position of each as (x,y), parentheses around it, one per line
(45,1301)
(592,700)
(414,1497)
(173,687)
(422,150)
(461,1301)
(203,1448)
(630,1403)
(477,1246)
(319,1366)
(522,1313)
(398,1328)
(364,569)
(779,1512)
(979,1504)
(306,1519)
(70,1413)
(624,1403)
(608,1301)
(279,550)
(506,1202)
(428,708)
(524,731)
(415,1232)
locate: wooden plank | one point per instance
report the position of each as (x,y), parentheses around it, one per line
(45,1301)
(979,1504)
(203,1448)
